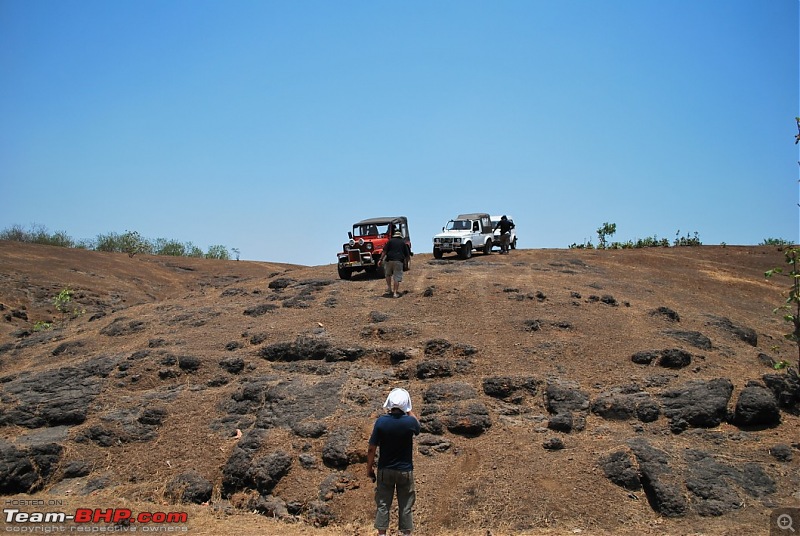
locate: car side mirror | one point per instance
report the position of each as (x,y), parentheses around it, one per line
(350,235)
(442,229)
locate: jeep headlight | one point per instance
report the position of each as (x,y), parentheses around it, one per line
(352,242)
(457,241)
(346,247)
(437,240)
(369,246)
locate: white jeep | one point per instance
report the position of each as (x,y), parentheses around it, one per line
(464,234)
(512,242)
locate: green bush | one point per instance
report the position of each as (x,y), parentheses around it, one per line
(218,252)
(775,242)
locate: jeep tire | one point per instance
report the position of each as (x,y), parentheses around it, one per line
(437,253)
(344,273)
(514,243)
(466,251)
(487,247)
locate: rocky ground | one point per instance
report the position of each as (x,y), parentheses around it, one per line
(560,391)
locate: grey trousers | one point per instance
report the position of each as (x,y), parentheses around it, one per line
(389,480)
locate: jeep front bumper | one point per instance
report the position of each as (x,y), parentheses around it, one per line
(447,244)
(357,259)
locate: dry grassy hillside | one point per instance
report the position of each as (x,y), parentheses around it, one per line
(520,366)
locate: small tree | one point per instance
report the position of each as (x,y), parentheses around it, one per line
(132,243)
(791,307)
(63,303)
(607,230)
(218,252)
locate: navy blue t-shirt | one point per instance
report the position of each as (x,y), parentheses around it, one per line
(394,436)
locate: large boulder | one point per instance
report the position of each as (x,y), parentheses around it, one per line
(756,406)
(699,404)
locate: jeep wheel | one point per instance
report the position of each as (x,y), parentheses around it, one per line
(466,251)
(437,253)
(344,273)
(487,247)
(514,244)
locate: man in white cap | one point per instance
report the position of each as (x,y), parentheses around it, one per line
(394,434)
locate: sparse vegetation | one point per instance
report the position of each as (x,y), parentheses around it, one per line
(41,325)
(608,229)
(130,242)
(775,242)
(791,307)
(64,305)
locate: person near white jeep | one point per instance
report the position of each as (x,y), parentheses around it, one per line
(504,226)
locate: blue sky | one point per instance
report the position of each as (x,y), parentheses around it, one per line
(272,126)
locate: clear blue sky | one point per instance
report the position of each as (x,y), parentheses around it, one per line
(272,126)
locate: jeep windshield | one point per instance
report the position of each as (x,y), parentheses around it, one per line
(370,230)
(458,225)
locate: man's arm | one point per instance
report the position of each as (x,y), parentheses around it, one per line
(371,461)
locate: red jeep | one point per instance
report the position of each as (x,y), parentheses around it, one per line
(366,244)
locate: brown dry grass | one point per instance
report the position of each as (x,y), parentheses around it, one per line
(500,483)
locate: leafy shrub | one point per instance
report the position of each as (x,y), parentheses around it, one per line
(218,252)
(775,242)
(130,242)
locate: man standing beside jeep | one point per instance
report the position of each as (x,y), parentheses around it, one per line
(395,254)
(505,225)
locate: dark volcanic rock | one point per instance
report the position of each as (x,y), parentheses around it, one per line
(667,313)
(336,451)
(675,358)
(562,396)
(658,480)
(437,347)
(123,326)
(260,310)
(625,404)
(701,404)
(695,338)
(189,487)
(781,452)
(429,444)
(70,348)
(646,357)
(189,363)
(234,365)
(53,397)
(434,368)
(267,471)
(153,416)
(756,406)
(242,472)
(553,443)
(26,470)
(742,333)
(310,347)
(712,483)
(469,419)
(506,387)
(448,392)
(786,388)
(620,469)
